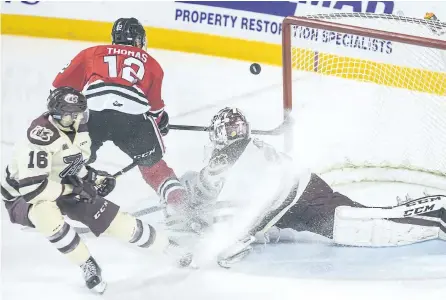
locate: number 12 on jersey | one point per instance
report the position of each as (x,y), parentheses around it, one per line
(128,73)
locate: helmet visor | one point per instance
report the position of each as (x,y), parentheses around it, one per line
(85,116)
(68,119)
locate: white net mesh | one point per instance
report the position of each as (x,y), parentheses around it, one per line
(374,108)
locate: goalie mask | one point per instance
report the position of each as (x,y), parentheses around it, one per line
(67,105)
(228,126)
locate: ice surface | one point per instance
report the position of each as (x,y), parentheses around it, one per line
(195,88)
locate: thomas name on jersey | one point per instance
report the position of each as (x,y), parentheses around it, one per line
(135,54)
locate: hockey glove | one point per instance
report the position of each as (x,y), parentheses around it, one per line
(185,220)
(83,189)
(105,183)
(163,123)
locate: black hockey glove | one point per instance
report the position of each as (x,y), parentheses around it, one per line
(163,123)
(105,183)
(83,189)
(106,186)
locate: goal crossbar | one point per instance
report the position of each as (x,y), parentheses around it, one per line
(313,22)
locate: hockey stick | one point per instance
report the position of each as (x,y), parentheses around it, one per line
(276,131)
(120,172)
(125,169)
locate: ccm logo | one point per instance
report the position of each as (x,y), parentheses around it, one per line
(145,154)
(101,210)
(422,205)
(419,210)
(423,200)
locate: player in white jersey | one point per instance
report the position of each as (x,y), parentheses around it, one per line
(47,179)
(253,175)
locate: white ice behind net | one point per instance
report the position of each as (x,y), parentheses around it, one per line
(367,109)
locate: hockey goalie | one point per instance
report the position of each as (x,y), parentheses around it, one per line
(269,193)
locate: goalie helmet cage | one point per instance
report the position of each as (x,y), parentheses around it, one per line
(384,78)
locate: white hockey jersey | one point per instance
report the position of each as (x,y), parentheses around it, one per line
(38,166)
(259,182)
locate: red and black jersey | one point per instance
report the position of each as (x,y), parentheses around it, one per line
(118,77)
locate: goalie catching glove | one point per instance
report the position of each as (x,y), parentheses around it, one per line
(105,182)
(193,214)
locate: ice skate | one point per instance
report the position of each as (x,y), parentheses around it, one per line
(92,276)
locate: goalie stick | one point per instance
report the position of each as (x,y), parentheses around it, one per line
(275,131)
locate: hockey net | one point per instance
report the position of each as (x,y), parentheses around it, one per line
(368,94)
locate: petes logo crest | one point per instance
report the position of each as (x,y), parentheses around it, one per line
(75,163)
(41,133)
(70,98)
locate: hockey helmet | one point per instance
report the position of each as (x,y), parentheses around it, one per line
(129,31)
(66,105)
(228,126)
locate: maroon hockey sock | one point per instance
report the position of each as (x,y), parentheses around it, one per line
(164,181)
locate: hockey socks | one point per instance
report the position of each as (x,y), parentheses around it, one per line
(127,228)
(164,181)
(49,221)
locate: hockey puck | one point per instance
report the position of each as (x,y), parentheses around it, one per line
(255,68)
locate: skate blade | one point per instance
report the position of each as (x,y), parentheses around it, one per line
(100,288)
(227,262)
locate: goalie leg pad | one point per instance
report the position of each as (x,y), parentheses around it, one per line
(367,227)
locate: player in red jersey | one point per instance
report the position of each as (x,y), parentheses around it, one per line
(122,83)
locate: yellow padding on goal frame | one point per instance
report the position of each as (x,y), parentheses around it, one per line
(233,48)
(369,71)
